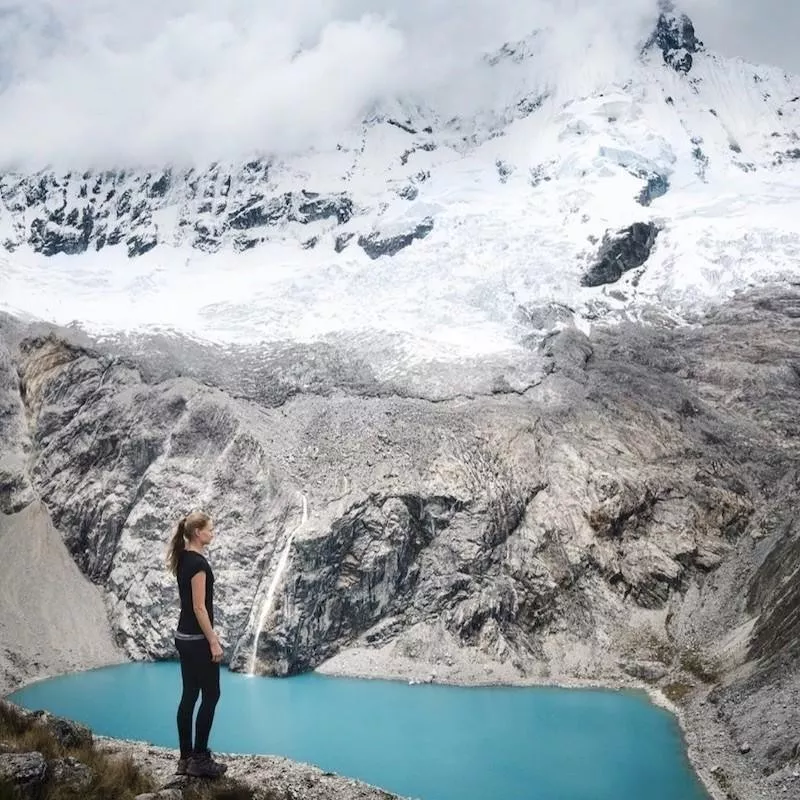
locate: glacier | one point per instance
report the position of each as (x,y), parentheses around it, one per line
(425,239)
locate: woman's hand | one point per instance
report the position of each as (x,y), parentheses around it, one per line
(216,651)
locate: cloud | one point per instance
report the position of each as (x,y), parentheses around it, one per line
(110,82)
(761,32)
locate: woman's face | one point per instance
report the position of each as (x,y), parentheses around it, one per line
(206,534)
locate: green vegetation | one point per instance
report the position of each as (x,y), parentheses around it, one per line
(113,777)
(724,783)
(677,692)
(699,666)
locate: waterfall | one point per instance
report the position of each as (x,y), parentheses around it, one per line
(269,597)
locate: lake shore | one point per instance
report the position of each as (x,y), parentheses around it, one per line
(708,747)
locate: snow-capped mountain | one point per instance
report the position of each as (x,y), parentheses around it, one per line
(657,192)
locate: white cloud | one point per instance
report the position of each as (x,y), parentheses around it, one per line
(762,32)
(102,82)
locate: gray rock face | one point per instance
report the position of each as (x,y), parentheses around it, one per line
(15,489)
(25,772)
(775,592)
(622,252)
(630,513)
(100,445)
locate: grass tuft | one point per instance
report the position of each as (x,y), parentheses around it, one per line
(700,667)
(677,692)
(115,776)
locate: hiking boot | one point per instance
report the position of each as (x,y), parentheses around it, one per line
(202,765)
(181,768)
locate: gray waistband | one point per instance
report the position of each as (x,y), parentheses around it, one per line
(189,637)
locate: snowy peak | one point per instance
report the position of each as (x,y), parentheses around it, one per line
(667,186)
(374,190)
(675,36)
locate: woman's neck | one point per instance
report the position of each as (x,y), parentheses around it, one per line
(195,548)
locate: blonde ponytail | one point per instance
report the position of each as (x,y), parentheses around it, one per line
(186,529)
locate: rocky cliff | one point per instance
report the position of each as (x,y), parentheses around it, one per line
(72,213)
(632,513)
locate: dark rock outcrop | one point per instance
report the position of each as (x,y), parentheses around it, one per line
(375,245)
(379,581)
(139,245)
(787,155)
(675,37)
(624,251)
(70,774)
(72,213)
(159,187)
(342,240)
(656,186)
(408,192)
(65,732)
(57,235)
(304,208)
(312,208)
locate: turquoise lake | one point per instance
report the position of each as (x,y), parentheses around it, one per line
(425,741)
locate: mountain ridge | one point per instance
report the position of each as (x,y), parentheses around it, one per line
(458,205)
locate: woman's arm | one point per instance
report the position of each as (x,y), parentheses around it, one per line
(199,608)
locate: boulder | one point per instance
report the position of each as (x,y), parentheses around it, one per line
(24,771)
(70,773)
(656,186)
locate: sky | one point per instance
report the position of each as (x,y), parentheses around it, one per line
(105,82)
(761,31)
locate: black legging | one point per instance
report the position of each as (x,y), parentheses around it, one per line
(199,673)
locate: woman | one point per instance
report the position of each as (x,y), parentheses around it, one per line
(198,646)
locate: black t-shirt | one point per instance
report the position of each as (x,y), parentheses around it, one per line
(189,564)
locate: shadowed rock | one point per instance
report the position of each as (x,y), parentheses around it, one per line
(24,773)
(70,213)
(375,245)
(656,186)
(675,37)
(626,250)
